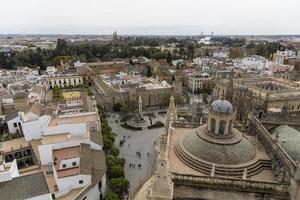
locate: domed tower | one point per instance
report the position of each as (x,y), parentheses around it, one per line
(220,119)
(217,148)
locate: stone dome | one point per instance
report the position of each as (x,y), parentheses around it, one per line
(222,106)
(240,152)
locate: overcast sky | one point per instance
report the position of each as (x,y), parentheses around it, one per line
(150,16)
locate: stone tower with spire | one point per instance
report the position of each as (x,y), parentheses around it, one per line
(161,187)
(230,91)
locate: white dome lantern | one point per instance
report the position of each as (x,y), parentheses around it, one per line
(221,118)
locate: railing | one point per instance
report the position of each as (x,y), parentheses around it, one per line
(138,187)
(185,125)
(275,147)
(282,119)
(230,183)
(81,194)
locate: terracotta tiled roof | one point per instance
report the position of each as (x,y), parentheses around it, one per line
(21,96)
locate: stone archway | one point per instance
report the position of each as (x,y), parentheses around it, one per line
(212,125)
(222,127)
(230,126)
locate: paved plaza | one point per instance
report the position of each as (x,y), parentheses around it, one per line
(136,141)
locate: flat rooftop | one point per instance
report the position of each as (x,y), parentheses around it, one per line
(14,144)
(73,119)
(49,139)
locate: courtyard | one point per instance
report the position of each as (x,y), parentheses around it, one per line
(137,149)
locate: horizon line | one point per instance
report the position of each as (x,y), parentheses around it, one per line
(86,34)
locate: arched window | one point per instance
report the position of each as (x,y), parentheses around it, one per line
(212,125)
(18,155)
(222,127)
(260,114)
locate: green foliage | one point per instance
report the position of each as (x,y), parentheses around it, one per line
(124,109)
(64,59)
(265,49)
(204,90)
(205,98)
(114,151)
(57,93)
(106,129)
(28,58)
(230,42)
(235,53)
(111,196)
(107,142)
(119,185)
(117,107)
(98,50)
(115,166)
(112,160)
(160,55)
(116,171)
(169,57)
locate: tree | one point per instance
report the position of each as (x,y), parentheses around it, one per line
(116,171)
(124,111)
(117,107)
(112,160)
(235,53)
(111,196)
(56,93)
(114,151)
(58,59)
(108,142)
(119,185)
(169,57)
(204,97)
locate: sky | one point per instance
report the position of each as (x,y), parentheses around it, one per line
(150,17)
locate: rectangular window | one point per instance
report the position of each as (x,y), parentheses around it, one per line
(80,181)
(74,163)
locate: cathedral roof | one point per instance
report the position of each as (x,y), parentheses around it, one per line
(222,106)
(220,154)
(289,140)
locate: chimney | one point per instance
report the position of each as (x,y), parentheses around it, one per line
(22,115)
